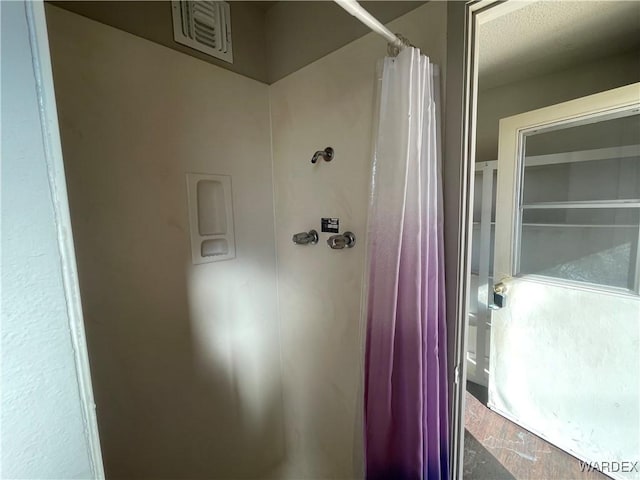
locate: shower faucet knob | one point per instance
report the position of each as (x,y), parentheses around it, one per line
(338,242)
(303,238)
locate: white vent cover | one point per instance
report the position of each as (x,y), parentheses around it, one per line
(204,26)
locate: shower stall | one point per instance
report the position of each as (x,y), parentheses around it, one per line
(219,347)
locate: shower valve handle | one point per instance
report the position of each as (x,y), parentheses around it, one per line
(304,238)
(338,242)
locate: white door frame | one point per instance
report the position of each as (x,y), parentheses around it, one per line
(40,55)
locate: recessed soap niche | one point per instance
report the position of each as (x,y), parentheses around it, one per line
(210,218)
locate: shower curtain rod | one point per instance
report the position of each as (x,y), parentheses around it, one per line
(355,9)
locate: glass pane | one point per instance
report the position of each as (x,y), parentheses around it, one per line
(586,245)
(583,181)
(588,174)
(612,170)
(599,132)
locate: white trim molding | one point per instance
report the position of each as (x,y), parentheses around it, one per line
(36,21)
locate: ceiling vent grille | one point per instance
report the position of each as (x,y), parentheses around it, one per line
(204,26)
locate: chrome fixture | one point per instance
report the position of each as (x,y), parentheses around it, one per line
(303,238)
(327,154)
(338,242)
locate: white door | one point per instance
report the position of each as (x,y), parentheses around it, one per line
(565,348)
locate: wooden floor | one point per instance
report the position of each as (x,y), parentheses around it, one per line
(498,449)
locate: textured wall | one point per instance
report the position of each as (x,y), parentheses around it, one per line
(329,103)
(43,431)
(185,359)
(534,39)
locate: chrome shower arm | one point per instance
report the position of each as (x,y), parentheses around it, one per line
(326,154)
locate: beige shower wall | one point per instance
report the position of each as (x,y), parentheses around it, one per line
(329,103)
(184,359)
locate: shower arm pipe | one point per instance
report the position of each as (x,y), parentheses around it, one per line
(355,9)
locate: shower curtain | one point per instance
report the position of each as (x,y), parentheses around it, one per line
(406,419)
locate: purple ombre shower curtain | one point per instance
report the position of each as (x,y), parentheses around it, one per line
(406,424)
